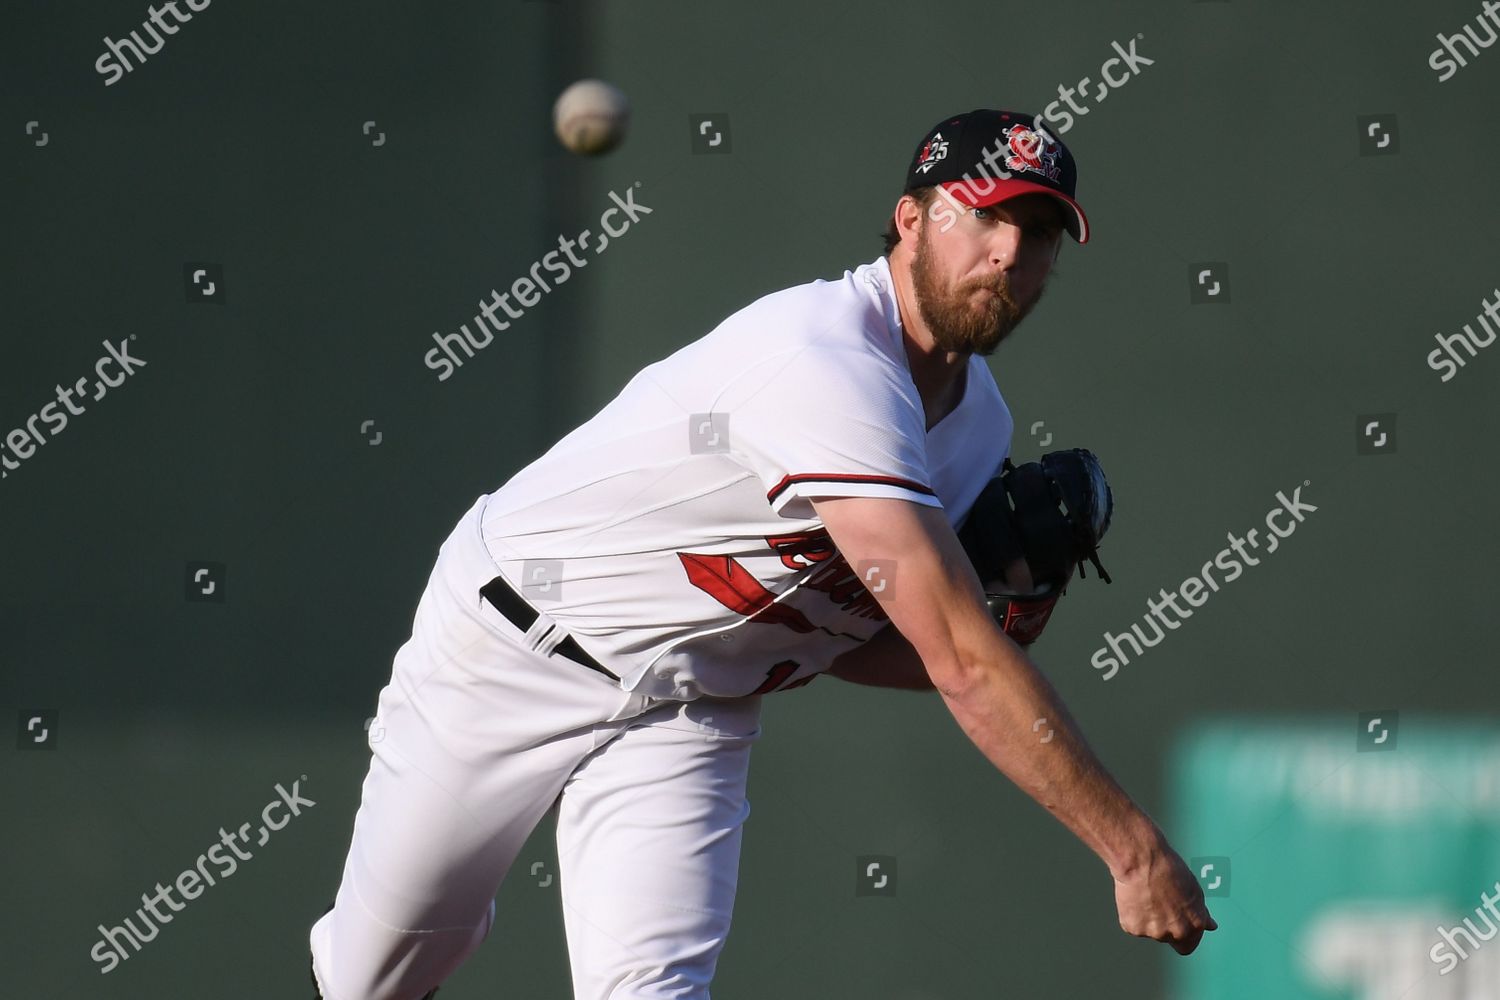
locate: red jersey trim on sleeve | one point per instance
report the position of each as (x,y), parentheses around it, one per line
(836,477)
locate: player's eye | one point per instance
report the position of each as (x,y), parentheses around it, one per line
(983,213)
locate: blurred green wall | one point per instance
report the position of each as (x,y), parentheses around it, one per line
(240,442)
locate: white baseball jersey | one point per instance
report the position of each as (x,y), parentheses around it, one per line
(672,534)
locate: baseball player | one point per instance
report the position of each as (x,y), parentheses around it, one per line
(819,485)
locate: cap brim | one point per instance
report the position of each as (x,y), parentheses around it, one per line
(987,191)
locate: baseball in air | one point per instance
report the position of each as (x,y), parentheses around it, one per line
(590,117)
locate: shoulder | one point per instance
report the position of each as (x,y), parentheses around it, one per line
(840,383)
(839,336)
(853,313)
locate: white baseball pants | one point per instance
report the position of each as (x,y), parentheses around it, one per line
(476,736)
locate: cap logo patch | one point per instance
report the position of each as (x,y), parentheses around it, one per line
(1032,150)
(933,150)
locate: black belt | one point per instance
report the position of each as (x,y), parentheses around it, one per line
(520,614)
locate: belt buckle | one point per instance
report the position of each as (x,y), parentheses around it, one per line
(544,634)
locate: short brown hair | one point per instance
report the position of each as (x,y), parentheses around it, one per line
(924,196)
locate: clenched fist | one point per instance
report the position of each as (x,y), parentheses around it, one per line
(1158,898)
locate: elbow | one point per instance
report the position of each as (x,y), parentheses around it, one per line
(966,666)
(957,661)
(963,667)
(951,676)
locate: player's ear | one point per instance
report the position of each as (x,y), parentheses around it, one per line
(908,216)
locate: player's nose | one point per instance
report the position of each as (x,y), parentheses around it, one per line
(1005,247)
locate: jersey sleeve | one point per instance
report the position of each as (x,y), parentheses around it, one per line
(820,423)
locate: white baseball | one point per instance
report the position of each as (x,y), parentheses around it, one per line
(590,117)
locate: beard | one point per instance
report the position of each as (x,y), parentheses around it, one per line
(962,320)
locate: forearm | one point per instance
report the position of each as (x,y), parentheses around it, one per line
(1015,717)
(887,660)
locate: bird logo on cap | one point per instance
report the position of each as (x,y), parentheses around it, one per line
(1032,150)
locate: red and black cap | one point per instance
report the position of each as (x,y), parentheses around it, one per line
(985,157)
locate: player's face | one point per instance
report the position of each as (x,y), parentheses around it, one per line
(977,281)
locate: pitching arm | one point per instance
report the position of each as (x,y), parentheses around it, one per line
(996,694)
(887,660)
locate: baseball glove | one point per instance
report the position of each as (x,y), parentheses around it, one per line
(1051,515)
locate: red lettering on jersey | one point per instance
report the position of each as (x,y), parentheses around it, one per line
(779,673)
(802,550)
(732,585)
(843,587)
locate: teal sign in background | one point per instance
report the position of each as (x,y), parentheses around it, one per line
(1332,861)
